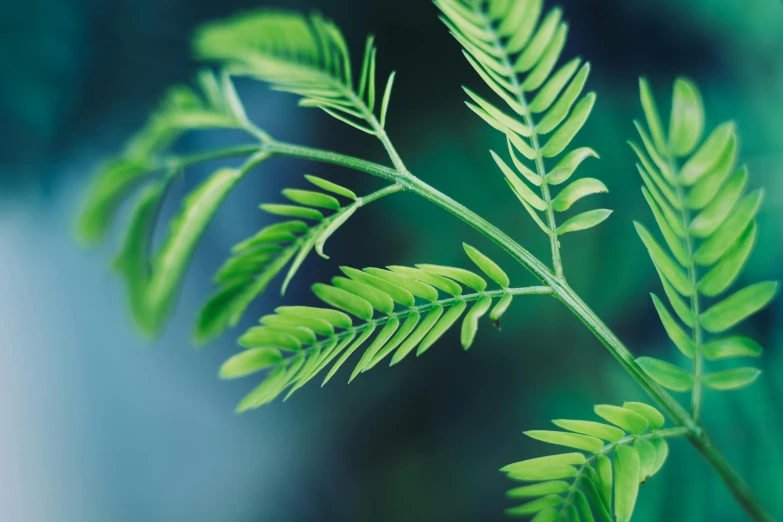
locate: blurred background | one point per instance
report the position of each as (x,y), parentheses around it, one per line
(98,425)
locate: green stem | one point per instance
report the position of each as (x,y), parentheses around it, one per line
(742,493)
(736,485)
(696,334)
(181,162)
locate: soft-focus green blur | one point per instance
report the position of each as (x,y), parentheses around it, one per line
(97,426)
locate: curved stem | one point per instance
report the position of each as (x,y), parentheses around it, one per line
(738,488)
(736,485)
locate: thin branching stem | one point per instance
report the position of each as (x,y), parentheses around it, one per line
(561,290)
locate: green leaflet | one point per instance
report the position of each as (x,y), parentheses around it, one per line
(519,186)
(626,483)
(570,440)
(186,230)
(654,418)
(378,299)
(534,506)
(673,273)
(407,327)
(536,490)
(571,459)
(647,456)
(667,375)
(716,212)
(265,392)
(505,121)
(576,191)
(395,292)
(725,271)
(387,98)
(547,95)
(738,307)
(687,119)
(730,347)
(499,309)
(113,183)
(732,379)
(721,240)
(704,190)
(652,117)
(338,221)
(706,158)
(334,317)
(378,343)
(671,237)
(489,267)
(318,326)
(470,324)
(441,283)
(594,429)
(555,116)
(676,334)
(458,274)
(626,419)
(568,164)
(331,187)
(605,479)
(584,221)
(444,323)
(312,199)
(563,136)
(344,300)
(413,285)
(355,345)
(417,335)
(132,263)
(293,211)
(260,336)
(249,362)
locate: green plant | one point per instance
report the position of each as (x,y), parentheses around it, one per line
(707,226)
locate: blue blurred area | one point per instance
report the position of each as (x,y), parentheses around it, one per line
(99,426)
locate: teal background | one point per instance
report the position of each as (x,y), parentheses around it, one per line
(98,425)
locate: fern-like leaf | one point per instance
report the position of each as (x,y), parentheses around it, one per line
(599,481)
(315,216)
(390,313)
(698,197)
(304,56)
(515,50)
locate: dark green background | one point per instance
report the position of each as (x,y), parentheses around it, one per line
(96,426)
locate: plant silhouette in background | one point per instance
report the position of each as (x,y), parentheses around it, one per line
(692,184)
